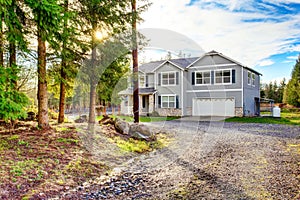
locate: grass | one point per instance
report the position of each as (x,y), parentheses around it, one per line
(34,161)
(132,145)
(288,118)
(143,118)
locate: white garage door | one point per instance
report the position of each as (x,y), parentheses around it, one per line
(213,107)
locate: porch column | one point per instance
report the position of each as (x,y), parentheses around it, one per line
(151,103)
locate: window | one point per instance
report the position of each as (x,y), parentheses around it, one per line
(202,78)
(249,78)
(253,79)
(168,78)
(223,76)
(126,100)
(142,81)
(168,101)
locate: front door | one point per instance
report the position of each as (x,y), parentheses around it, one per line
(257,106)
(145,103)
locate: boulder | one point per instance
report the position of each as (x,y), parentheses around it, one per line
(81,119)
(30,116)
(141,132)
(122,126)
(106,120)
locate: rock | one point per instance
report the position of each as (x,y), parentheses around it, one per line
(122,126)
(81,119)
(106,120)
(30,116)
(141,132)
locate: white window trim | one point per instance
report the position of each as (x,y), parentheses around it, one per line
(168,95)
(253,79)
(230,71)
(144,85)
(249,83)
(202,71)
(175,78)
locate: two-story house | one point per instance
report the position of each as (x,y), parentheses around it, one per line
(210,85)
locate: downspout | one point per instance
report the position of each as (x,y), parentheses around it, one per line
(243,90)
(182,112)
(155,100)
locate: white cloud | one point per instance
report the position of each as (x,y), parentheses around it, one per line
(226,31)
(266,62)
(292,57)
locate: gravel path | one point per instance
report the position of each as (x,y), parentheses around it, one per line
(208,160)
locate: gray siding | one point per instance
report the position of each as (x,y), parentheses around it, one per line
(172,89)
(213,85)
(212,90)
(150,79)
(243,93)
(226,94)
(250,92)
(212,60)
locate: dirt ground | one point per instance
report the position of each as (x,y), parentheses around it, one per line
(211,161)
(206,160)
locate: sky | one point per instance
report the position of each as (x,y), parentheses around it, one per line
(261,34)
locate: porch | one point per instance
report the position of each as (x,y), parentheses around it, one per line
(146,101)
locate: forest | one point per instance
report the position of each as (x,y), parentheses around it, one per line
(63,54)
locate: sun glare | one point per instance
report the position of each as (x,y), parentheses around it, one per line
(100,35)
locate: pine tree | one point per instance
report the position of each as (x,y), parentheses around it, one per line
(12,102)
(47,18)
(292,91)
(281,89)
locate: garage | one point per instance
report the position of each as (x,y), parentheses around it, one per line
(213,107)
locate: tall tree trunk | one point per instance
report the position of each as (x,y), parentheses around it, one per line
(13,59)
(93,85)
(62,95)
(43,120)
(135,65)
(1,42)
(92,117)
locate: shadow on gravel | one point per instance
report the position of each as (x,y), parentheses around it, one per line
(227,190)
(273,130)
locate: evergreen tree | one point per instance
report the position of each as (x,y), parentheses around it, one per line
(292,92)
(106,16)
(111,76)
(47,18)
(12,102)
(281,89)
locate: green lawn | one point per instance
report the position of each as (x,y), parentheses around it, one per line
(142,118)
(289,118)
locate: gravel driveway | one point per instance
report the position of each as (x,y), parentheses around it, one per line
(209,160)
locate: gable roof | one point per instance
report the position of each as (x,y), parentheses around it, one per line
(180,63)
(213,52)
(185,63)
(151,66)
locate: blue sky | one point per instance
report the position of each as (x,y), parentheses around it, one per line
(262,34)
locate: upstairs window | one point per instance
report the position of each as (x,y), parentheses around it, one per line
(142,81)
(249,78)
(168,78)
(202,78)
(253,79)
(223,76)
